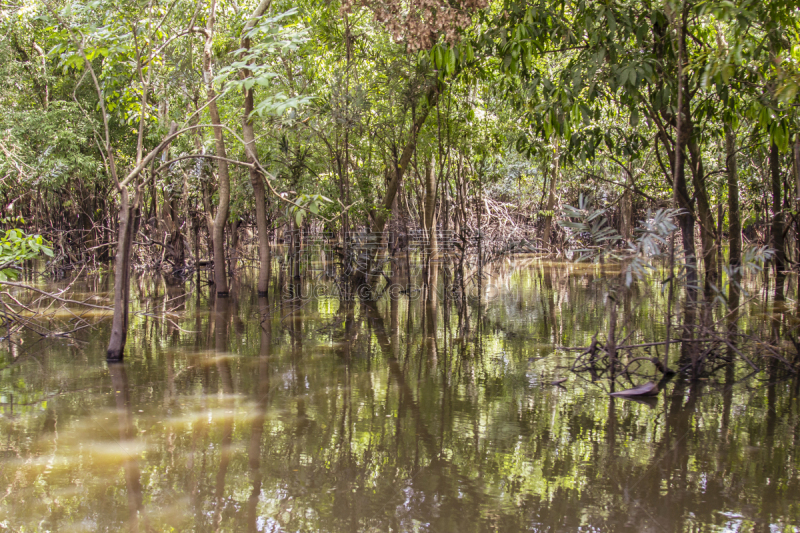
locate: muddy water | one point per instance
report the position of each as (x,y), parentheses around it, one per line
(251,414)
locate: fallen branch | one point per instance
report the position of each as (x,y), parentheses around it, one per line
(53,296)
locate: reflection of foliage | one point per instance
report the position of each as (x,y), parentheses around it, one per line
(470,442)
(753,260)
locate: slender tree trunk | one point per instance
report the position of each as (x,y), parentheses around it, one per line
(704,214)
(718,242)
(797,198)
(429,221)
(551,197)
(175,247)
(405,159)
(679,189)
(220,278)
(734,216)
(122,268)
(626,215)
(256,179)
(382,215)
(777,210)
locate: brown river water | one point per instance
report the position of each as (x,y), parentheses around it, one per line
(261,414)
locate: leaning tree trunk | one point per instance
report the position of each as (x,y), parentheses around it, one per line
(220,279)
(382,215)
(122,267)
(777,210)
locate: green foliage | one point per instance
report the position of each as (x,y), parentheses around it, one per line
(306,205)
(16,246)
(259,61)
(600,241)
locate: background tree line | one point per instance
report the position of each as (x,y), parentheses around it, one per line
(162,134)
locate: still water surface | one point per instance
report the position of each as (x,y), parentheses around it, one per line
(251,414)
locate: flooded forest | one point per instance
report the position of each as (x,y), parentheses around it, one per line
(392,265)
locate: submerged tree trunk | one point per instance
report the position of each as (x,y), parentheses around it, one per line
(704,214)
(429,222)
(175,251)
(256,178)
(385,208)
(734,216)
(122,268)
(551,197)
(626,215)
(220,278)
(797,196)
(777,209)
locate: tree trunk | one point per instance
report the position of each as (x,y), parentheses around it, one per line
(382,214)
(175,248)
(220,279)
(429,221)
(734,216)
(704,213)
(797,197)
(777,209)
(122,268)
(677,151)
(626,215)
(551,197)
(256,179)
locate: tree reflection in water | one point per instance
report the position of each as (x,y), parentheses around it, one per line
(397,415)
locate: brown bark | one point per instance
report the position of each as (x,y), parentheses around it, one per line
(797,195)
(383,213)
(734,215)
(777,209)
(705,215)
(676,151)
(551,197)
(626,215)
(256,179)
(122,268)
(220,278)
(429,223)
(175,247)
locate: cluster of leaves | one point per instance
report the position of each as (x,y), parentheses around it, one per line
(600,241)
(16,246)
(272,40)
(305,205)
